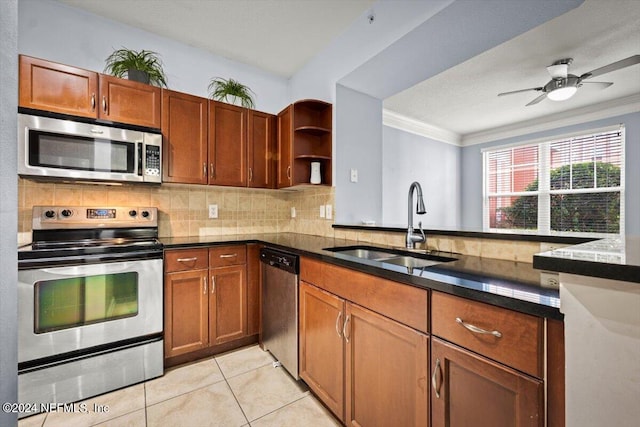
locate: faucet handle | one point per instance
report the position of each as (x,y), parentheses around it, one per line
(424,238)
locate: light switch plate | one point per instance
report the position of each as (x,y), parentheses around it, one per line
(321,211)
(328,211)
(354,175)
(213,211)
(293,212)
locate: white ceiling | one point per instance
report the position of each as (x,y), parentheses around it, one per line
(278,36)
(464,98)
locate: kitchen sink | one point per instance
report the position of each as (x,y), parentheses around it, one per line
(392,256)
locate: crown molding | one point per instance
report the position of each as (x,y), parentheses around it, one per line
(615,107)
(407,124)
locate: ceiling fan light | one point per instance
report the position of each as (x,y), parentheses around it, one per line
(562,93)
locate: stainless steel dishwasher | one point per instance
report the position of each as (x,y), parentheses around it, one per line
(280,307)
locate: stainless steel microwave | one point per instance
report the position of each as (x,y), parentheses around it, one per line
(55,148)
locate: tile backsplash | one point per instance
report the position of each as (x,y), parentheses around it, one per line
(183,211)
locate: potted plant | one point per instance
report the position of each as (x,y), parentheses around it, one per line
(230,91)
(143,66)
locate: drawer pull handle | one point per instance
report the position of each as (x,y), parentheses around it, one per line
(338,324)
(228,255)
(437,372)
(477,330)
(195,258)
(344,328)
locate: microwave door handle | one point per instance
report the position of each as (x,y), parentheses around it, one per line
(140,152)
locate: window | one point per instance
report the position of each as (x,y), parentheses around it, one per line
(573,185)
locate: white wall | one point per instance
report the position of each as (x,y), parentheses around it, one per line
(407,157)
(472,169)
(51,30)
(602,345)
(8,211)
(359,146)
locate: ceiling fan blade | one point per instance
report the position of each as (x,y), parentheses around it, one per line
(521,90)
(602,85)
(538,99)
(623,63)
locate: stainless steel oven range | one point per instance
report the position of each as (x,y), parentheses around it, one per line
(90,303)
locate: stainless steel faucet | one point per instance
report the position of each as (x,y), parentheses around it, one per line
(412,237)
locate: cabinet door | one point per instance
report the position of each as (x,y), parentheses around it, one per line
(227,144)
(59,88)
(262,134)
(386,371)
(469,390)
(186,305)
(228,304)
(130,102)
(184,129)
(322,345)
(285,148)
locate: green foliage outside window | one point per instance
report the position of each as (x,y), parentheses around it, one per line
(581,212)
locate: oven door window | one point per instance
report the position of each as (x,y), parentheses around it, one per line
(71,302)
(79,153)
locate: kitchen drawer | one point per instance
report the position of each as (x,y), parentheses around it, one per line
(222,256)
(520,343)
(185,259)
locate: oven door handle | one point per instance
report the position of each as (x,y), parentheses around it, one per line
(83,270)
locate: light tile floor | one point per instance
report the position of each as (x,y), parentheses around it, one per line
(239,388)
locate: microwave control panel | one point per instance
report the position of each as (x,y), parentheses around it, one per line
(152,160)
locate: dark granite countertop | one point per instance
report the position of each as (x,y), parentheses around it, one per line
(614,258)
(508,284)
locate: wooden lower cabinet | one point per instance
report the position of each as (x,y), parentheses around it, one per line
(322,346)
(205,301)
(186,312)
(470,390)
(368,369)
(228,304)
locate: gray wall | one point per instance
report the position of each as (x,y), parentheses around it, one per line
(407,157)
(8,203)
(472,169)
(52,30)
(358,146)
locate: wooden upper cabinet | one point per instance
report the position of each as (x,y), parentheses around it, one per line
(184,130)
(304,136)
(261,149)
(469,390)
(126,101)
(227,144)
(59,88)
(285,154)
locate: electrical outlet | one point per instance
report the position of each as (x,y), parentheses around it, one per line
(213,211)
(321,211)
(354,175)
(293,212)
(328,211)
(549,280)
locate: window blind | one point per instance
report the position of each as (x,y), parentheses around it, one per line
(573,185)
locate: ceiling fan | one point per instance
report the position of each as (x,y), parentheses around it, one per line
(564,85)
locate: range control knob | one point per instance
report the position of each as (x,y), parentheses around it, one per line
(66,213)
(133,212)
(50,214)
(145,214)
